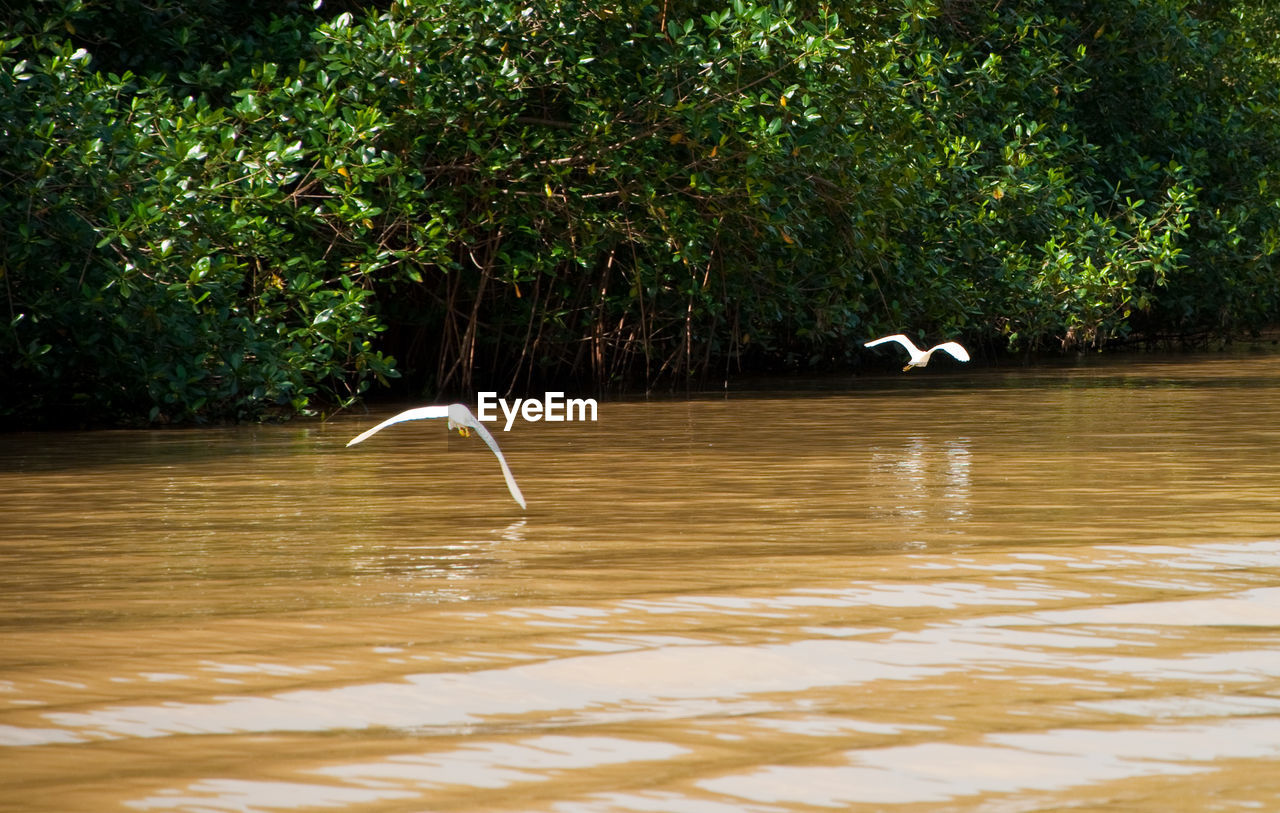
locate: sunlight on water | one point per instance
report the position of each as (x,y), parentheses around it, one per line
(1006,763)
(1003,591)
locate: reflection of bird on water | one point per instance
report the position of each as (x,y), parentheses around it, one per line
(460,418)
(920,358)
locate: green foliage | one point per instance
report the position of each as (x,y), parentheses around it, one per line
(1081,160)
(159,265)
(212,210)
(622,193)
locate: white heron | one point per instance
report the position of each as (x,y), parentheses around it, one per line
(460,418)
(920,358)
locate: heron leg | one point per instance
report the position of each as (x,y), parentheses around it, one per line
(464,431)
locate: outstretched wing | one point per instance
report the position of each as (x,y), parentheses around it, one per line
(954,349)
(408,415)
(459,414)
(900,339)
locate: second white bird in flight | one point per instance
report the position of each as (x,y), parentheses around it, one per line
(920,358)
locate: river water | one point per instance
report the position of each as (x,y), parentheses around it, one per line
(951,589)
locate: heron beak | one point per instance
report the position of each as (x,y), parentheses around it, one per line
(908,367)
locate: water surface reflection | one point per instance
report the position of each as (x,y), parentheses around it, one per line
(985,590)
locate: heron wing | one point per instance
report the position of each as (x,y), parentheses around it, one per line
(408,415)
(900,339)
(462,415)
(954,349)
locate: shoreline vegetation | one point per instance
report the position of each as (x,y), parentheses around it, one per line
(226,211)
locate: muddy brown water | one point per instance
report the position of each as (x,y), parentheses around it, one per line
(954,589)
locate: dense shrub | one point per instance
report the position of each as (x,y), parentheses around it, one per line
(214,210)
(160,262)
